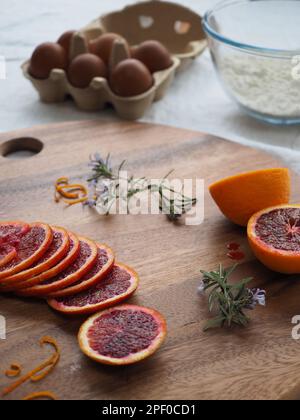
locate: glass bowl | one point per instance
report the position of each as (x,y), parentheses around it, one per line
(255,47)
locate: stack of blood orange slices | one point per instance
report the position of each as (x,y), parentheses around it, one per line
(79,276)
(75,274)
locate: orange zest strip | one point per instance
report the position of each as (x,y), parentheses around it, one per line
(14,370)
(35,374)
(62,181)
(72,187)
(42,394)
(72,202)
(52,362)
(59,182)
(71,192)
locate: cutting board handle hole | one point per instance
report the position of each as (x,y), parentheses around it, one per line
(22,147)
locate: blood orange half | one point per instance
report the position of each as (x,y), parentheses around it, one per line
(10,234)
(83,263)
(118,285)
(27,286)
(103,264)
(240,196)
(122,335)
(30,248)
(55,253)
(274,236)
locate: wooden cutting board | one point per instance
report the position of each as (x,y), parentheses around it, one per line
(261,361)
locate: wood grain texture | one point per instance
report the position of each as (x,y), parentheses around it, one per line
(260,362)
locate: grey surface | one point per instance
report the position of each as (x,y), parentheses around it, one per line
(195,101)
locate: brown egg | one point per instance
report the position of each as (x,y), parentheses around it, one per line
(102,46)
(65,41)
(46,57)
(130,78)
(84,68)
(154,55)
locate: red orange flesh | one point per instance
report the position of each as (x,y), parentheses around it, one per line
(74,272)
(103,265)
(55,253)
(117,286)
(122,335)
(10,232)
(28,286)
(31,247)
(274,236)
(7,253)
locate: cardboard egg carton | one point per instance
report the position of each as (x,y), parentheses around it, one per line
(177,27)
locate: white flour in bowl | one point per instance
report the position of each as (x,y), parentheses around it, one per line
(263,85)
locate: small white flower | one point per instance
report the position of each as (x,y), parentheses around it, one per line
(201,288)
(258,297)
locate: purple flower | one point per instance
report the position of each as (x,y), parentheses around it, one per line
(96,158)
(93,183)
(90,203)
(95,161)
(257,297)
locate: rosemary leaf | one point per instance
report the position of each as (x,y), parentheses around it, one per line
(229,300)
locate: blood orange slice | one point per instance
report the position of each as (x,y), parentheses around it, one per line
(274,236)
(30,248)
(55,253)
(118,285)
(83,263)
(10,234)
(103,265)
(29,286)
(122,335)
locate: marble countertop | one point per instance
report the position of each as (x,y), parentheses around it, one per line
(195,101)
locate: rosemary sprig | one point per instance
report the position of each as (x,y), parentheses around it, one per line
(101,168)
(229,301)
(171,203)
